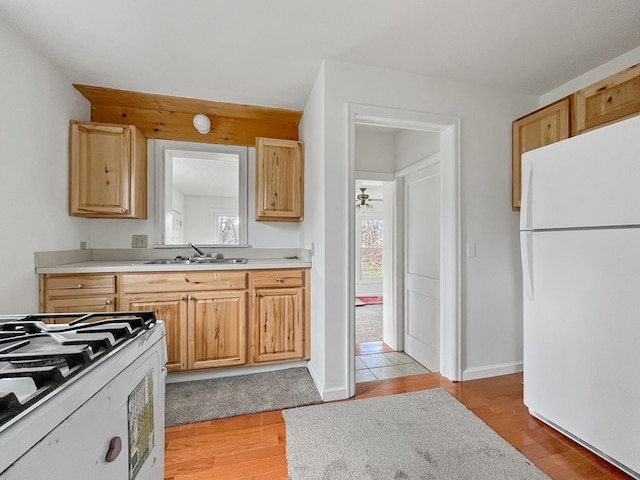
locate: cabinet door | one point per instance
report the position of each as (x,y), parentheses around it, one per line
(279,180)
(609,100)
(171,308)
(277,327)
(217,330)
(542,127)
(107,171)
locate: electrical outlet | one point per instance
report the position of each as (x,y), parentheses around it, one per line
(139,241)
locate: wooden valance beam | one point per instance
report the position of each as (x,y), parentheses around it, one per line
(171,118)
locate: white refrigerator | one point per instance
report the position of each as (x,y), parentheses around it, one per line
(580,245)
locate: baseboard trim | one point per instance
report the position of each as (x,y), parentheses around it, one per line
(328,395)
(232,372)
(315,377)
(491,370)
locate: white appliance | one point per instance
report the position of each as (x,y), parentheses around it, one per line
(580,241)
(83,399)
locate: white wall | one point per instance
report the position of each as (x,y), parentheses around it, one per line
(412,146)
(625,60)
(491,282)
(375,151)
(37,102)
(312,233)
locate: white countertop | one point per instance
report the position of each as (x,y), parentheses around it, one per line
(97,266)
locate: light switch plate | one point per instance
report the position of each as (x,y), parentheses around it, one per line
(139,241)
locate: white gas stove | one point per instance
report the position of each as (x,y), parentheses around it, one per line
(83,398)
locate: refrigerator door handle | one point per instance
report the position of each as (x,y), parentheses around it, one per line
(526,251)
(525,201)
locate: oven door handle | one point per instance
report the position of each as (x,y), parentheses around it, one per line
(115,447)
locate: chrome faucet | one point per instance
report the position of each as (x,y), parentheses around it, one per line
(200,252)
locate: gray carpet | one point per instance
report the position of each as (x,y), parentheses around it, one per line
(369,323)
(198,401)
(421,435)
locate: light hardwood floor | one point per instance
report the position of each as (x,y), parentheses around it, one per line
(253,446)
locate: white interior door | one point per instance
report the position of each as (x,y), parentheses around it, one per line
(422,266)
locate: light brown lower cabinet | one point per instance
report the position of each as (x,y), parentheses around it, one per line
(170,307)
(209,320)
(204,329)
(279,310)
(217,333)
(78,293)
(204,314)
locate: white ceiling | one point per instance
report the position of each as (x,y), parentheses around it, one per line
(268,52)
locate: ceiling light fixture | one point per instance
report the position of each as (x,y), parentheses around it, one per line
(362,200)
(202,123)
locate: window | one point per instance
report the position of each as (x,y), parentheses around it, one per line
(371,248)
(227,230)
(224,227)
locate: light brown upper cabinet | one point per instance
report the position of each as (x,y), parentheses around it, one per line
(544,126)
(107,171)
(279,180)
(607,101)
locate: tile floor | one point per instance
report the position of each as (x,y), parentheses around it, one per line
(378,366)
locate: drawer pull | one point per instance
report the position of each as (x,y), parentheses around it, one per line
(279,280)
(79,285)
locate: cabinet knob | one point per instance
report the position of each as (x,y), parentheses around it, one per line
(183,298)
(79,285)
(124,210)
(108,302)
(279,280)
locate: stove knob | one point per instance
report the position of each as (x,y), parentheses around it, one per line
(115,447)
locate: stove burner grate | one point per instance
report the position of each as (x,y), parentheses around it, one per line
(38,357)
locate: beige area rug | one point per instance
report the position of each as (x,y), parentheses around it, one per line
(201,400)
(413,436)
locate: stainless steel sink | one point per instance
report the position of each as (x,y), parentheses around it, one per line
(196,261)
(165,262)
(205,260)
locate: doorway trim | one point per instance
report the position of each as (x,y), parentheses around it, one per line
(449,129)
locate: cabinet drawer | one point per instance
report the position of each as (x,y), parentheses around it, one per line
(85,303)
(607,101)
(184,281)
(76,285)
(277,278)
